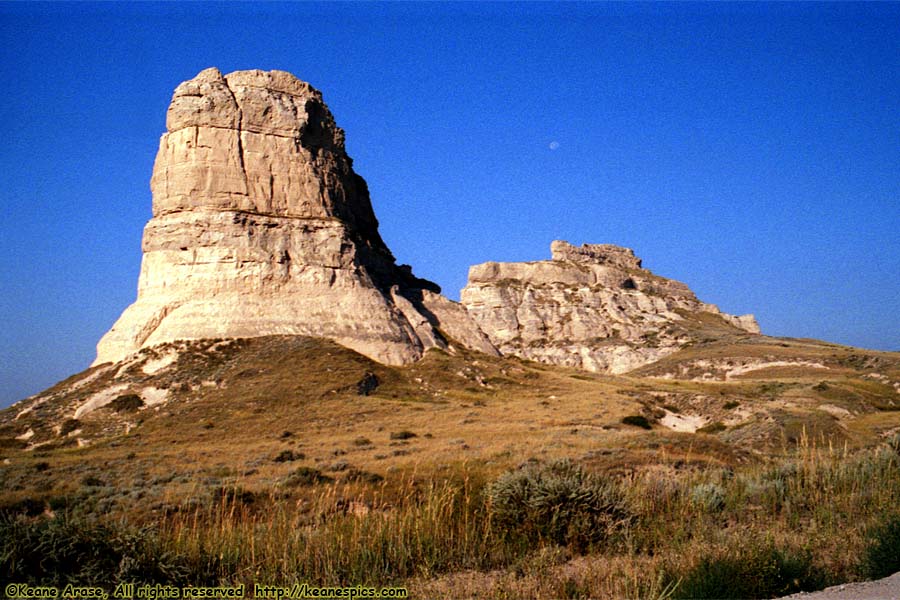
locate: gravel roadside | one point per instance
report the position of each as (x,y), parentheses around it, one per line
(882,589)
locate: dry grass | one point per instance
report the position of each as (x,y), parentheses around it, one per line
(439,536)
(790,474)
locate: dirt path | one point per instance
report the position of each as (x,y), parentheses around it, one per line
(882,589)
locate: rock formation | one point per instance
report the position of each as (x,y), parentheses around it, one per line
(260,226)
(592,307)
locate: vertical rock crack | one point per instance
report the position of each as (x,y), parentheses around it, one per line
(240,138)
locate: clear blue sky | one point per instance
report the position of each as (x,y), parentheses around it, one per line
(750,150)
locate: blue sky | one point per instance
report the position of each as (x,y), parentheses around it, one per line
(749,150)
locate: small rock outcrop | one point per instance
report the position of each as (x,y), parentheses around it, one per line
(260,226)
(592,307)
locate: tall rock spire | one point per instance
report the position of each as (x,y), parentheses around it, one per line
(260,226)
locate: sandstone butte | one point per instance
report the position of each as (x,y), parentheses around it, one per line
(593,307)
(260,226)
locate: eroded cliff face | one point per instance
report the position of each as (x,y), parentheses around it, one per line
(592,307)
(260,226)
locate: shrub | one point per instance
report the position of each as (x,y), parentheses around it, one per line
(557,502)
(712,428)
(288,456)
(59,503)
(637,421)
(402,435)
(354,474)
(761,571)
(29,507)
(127,403)
(882,554)
(305,476)
(68,426)
(765,492)
(233,495)
(708,496)
(65,549)
(368,384)
(894,443)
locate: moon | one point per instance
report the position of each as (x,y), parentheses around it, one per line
(554,145)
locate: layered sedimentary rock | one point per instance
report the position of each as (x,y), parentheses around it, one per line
(592,307)
(260,226)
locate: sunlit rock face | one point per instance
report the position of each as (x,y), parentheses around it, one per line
(592,307)
(260,226)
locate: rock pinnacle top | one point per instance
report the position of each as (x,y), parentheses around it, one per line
(257,141)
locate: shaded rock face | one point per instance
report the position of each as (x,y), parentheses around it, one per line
(592,307)
(260,226)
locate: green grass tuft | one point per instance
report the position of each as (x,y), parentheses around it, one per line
(758,571)
(882,554)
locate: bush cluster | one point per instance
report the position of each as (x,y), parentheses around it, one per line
(81,551)
(288,456)
(760,570)
(637,421)
(305,476)
(882,556)
(557,502)
(708,496)
(127,403)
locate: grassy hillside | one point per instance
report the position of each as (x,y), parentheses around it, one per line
(295,459)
